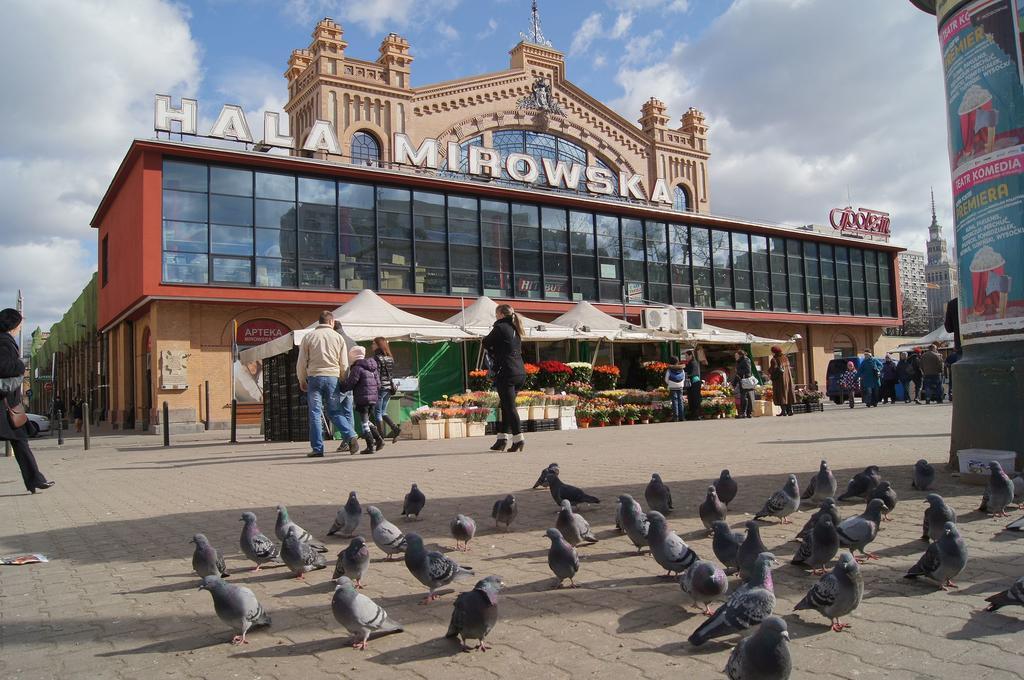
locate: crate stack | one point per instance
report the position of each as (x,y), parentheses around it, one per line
(285,409)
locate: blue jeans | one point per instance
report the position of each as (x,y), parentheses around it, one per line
(382,406)
(870,397)
(932,388)
(322,389)
(906,389)
(677,404)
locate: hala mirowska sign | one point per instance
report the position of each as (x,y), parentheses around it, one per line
(231,124)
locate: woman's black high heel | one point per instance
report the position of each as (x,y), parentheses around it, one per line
(516,446)
(499,445)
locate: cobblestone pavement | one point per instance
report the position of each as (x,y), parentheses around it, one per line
(118,599)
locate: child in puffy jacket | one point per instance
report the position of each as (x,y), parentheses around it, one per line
(848,382)
(675,380)
(363,381)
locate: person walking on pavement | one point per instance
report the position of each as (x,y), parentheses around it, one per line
(322,363)
(931,370)
(783,391)
(744,382)
(363,382)
(870,372)
(693,384)
(76,413)
(504,345)
(12,374)
(675,381)
(903,372)
(889,379)
(385,368)
(848,382)
(914,361)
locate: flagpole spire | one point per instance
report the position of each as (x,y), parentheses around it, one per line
(536,34)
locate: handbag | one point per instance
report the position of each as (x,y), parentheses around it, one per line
(16,415)
(748,383)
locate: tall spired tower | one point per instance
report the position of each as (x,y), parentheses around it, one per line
(940,273)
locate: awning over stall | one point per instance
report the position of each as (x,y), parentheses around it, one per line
(586,319)
(760,346)
(940,336)
(478,319)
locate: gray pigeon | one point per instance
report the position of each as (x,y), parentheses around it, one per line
(935,517)
(562,559)
(749,550)
(837,593)
(887,494)
(943,560)
(575,529)
(542,481)
(634,521)
(821,486)
(299,556)
(748,606)
(726,487)
(862,484)
(1014,595)
(207,560)
(505,511)
(856,532)
(1018,488)
(284,522)
(924,475)
(712,509)
(476,612)
(998,492)
(347,520)
(726,543)
(705,582)
(353,562)
(463,530)
(235,606)
(821,546)
(360,615)
(385,535)
(256,546)
(658,495)
(562,491)
(431,568)
(670,551)
(762,656)
(414,502)
(783,502)
(1016,525)
(827,507)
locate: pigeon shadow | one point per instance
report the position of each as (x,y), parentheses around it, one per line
(655,618)
(309,588)
(984,624)
(298,648)
(1005,535)
(190,643)
(915,547)
(801,629)
(438,648)
(165,588)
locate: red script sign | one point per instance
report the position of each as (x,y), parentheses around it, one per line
(863,221)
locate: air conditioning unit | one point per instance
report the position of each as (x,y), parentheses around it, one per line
(689,320)
(658,318)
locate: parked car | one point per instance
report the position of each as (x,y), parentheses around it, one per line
(836,367)
(36,424)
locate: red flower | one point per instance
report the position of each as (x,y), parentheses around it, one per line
(531,369)
(554,367)
(607,368)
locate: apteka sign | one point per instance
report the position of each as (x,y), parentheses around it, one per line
(231,124)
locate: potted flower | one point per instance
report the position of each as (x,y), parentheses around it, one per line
(654,373)
(454,422)
(476,417)
(605,377)
(615,415)
(429,422)
(584,414)
(583,390)
(582,371)
(532,372)
(567,405)
(630,414)
(479,380)
(523,405)
(554,376)
(537,405)
(599,416)
(646,414)
(551,406)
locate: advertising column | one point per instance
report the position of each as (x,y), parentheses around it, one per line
(981,47)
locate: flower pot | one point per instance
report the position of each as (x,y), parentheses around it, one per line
(536,412)
(454,428)
(524,412)
(551,411)
(601,423)
(476,429)
(645,421)
(567,411)
(628,421)
(615,421)
(583,423)
(431,429)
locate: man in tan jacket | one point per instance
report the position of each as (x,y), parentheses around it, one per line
(322,363)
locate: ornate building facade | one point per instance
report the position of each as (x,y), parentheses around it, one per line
(940,273)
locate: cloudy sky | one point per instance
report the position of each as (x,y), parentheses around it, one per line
(809,101)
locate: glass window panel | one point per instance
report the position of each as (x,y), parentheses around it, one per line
(465,257)
(555,264)
(465,281)
(525,215)
(317,275)
(527,285)
(358,248)
(352,195)
(583,266)
(395,252)
(230,181)
(186,268)
(744,299)
(555,230)
(231,210)
(556,287)
(527,261)
(463,227)
(762,299)
(275,243)
(759,253)
(356,212)
(357,276)
(184,176)
(225,240)
(610,290)
(278,214)
(185,237)
(313,217)
(395,278)
(274,185)
(494,224)
(632,229)
(700,250)
(232,270)
(583,289)
(658,293)
(496,259)
(273,273)
(431,255)
(184,206)
(317,246)
(432,281)
(393,217)
(497,284)
(365,149)
(322,191)
(430,204)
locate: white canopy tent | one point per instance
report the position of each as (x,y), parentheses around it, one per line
(478,319)
(363,318)
(590,322)
(940,336)
(760,346)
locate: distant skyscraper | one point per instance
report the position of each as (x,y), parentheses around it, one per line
(940,273)
(914,292)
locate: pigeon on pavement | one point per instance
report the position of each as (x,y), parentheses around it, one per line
(924,475)
(749,604)
(726,487)
(820,547)
(658,495)
(749,550)
(475,613)
(414,502)
(254,544)
(762,656)
(821,486)
(300,557)
(386,535)
(505,511)
(431,568)
(360,615)
(837,593)
(827,507)
(670,551)
(783,502)
(562,559)
(284,523)
(725,544)
(542,481)
(856,532)
(1016,525)
(943,560)
(705,582)
(575,529)
(935,517)
(998,492)
(887,494)
(235,606)
(207,560)
(712,509)
(1018,488)
(1014,595)
(463,530)
(862,484)
(561,491)
(353,562)
(347,520)
(634,521)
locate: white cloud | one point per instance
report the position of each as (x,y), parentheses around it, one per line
(649,5)
(600,61)
(622,24)
(375,15)
(799,113)
(447,31)
(492,26)
(643,48)
(586,33)
(52,273)
(69,113)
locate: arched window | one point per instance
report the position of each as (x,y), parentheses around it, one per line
(541,145)
(365,149)
(681,199)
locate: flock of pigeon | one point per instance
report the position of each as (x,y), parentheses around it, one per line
(763,655)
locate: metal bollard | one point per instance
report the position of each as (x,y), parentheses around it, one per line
(206,421)
(234,421)
(85,423)
(60,428)
(167,425)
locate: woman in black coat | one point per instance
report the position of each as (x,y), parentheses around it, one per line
(11,366)
(744,370)
(505,348)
